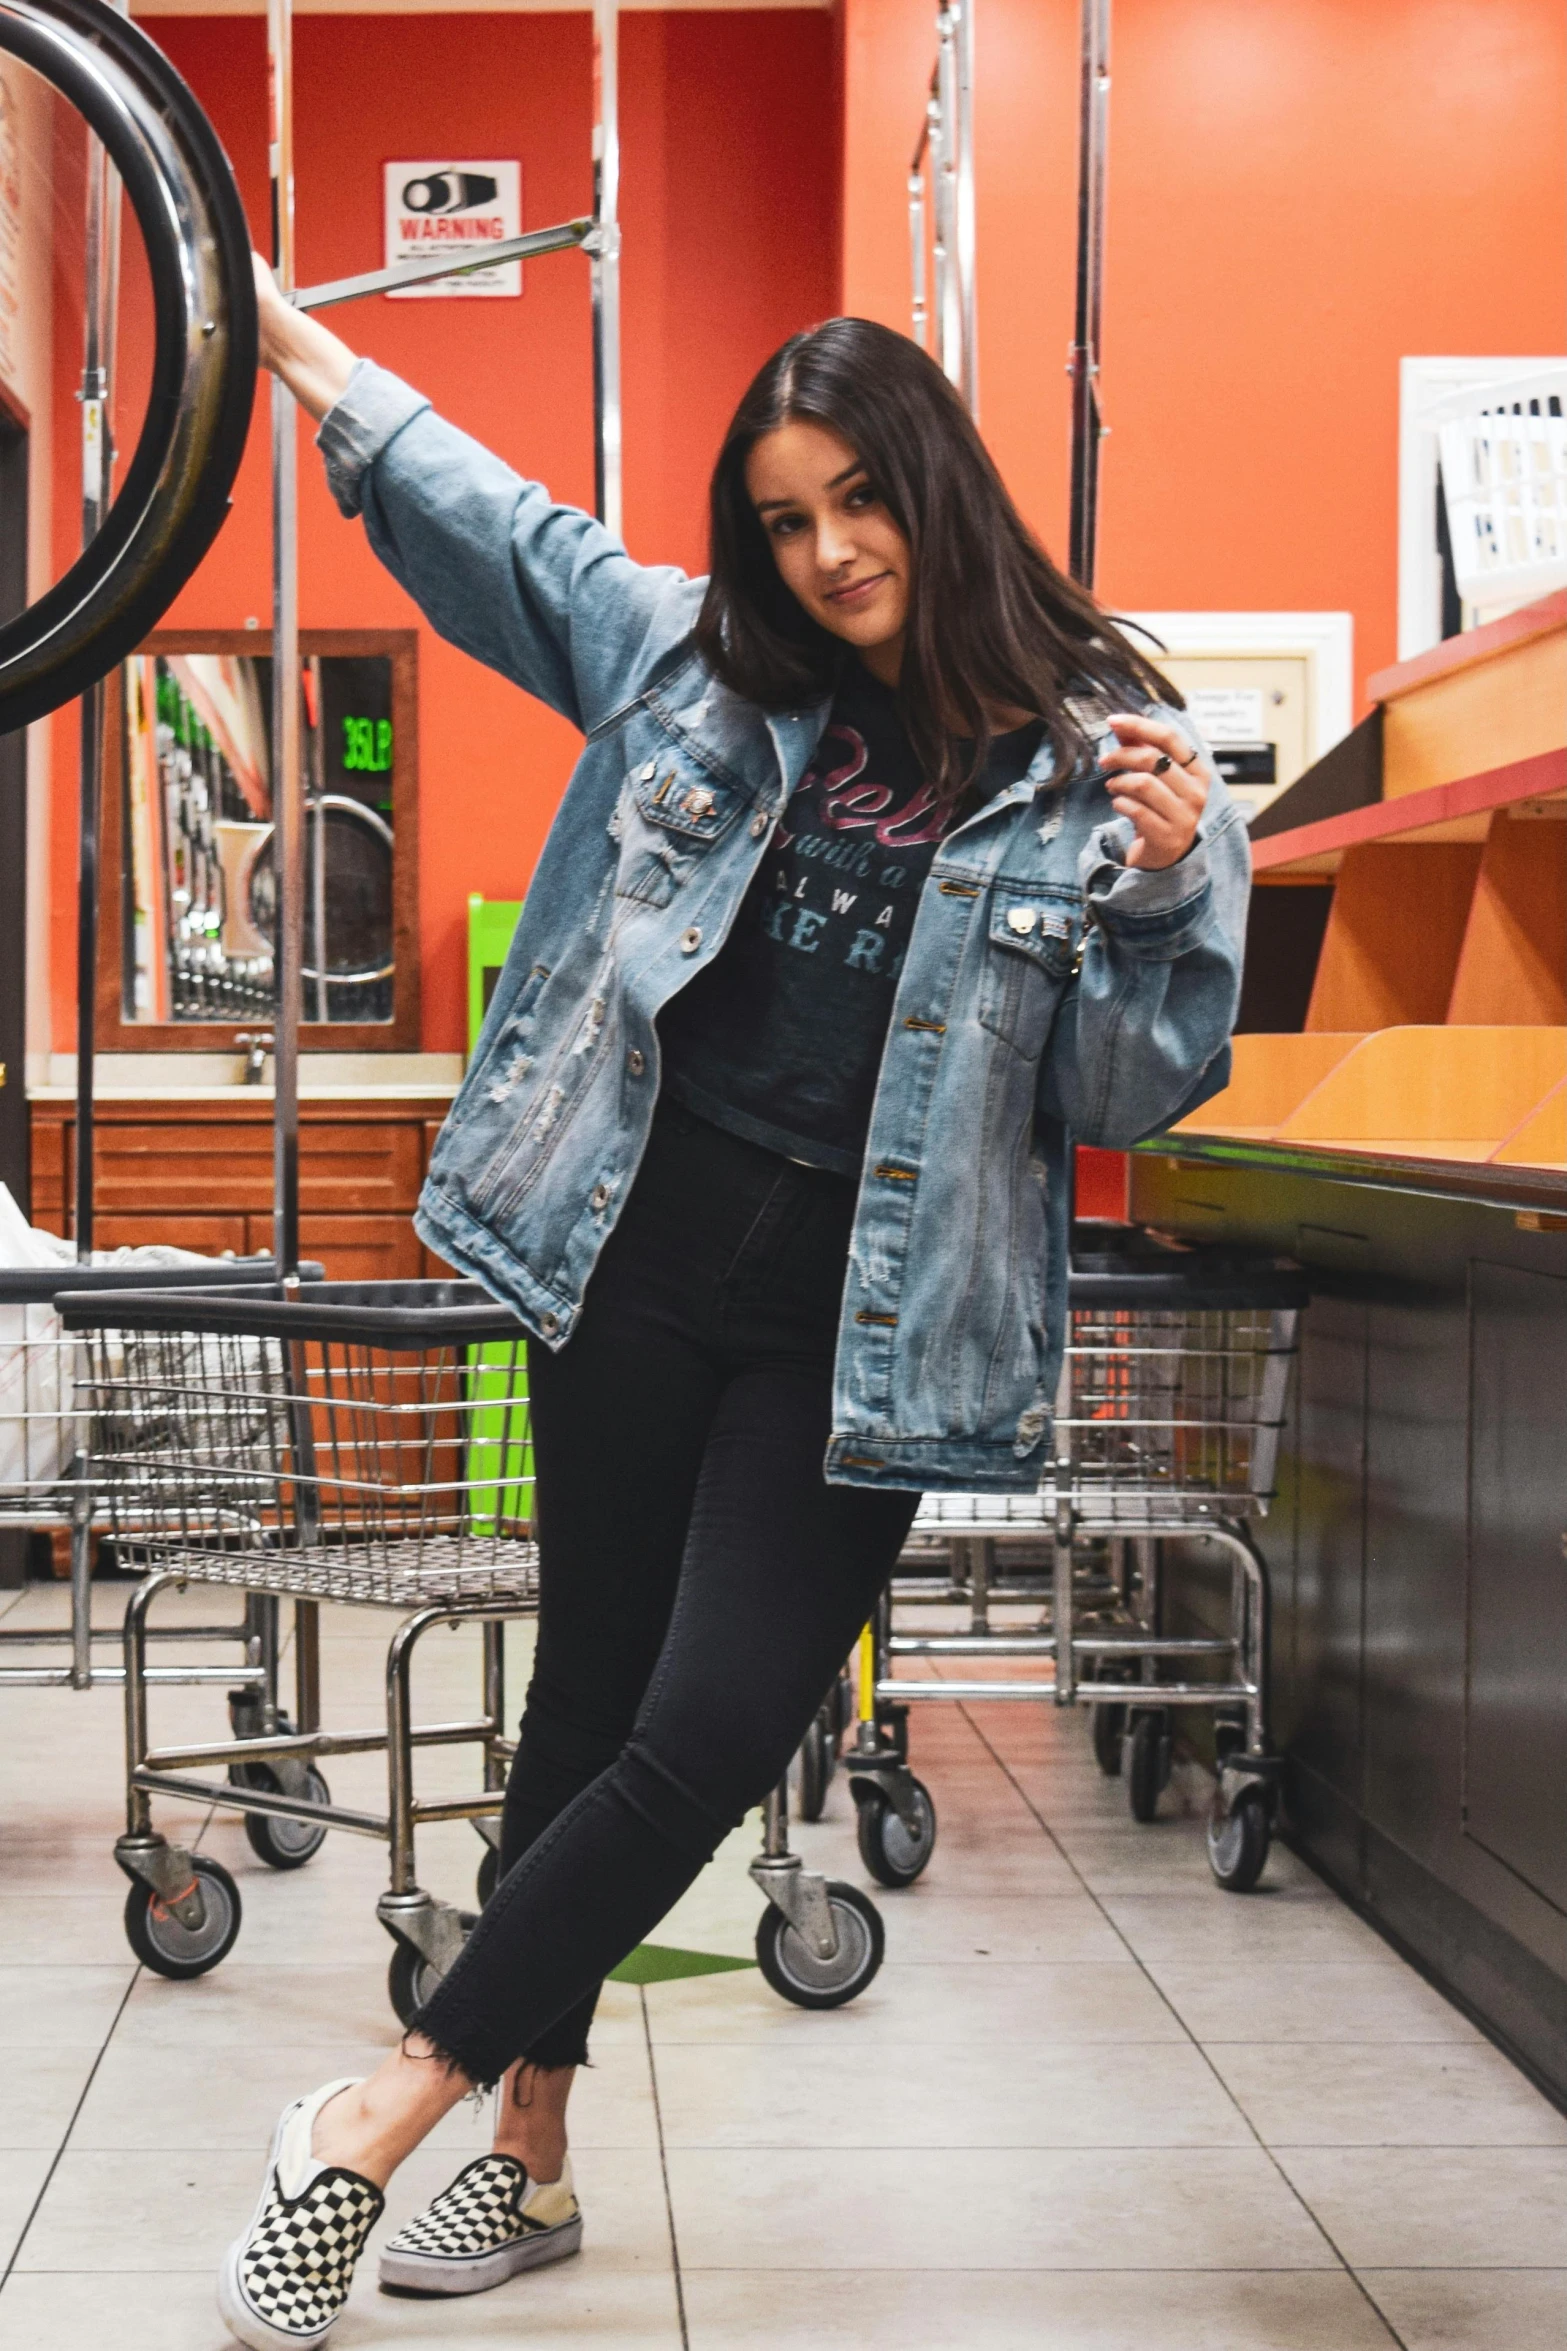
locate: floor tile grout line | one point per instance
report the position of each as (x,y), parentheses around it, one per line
(65,2137)
(663,2167)
(1163,1996)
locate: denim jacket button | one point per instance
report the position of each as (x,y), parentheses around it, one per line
(636,1061)
(759,824)
(598,1198)
(549,1324)
(690,940)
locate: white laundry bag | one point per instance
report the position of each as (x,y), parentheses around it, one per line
(37,1430)
(40,1428)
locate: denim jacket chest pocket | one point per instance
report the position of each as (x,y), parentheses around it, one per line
(672,808)
(1032,951)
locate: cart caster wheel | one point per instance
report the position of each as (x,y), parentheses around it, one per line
(161,1942)
(1238,1843)
(892,1852)
(795,1972)
(489,1876)
(280,1843)
(1107,1728)
(816,1760)
(410,1982)
(1148,1768)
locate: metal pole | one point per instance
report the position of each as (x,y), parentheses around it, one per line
(917,247)
(287,779)
(1083,364)
(968,331)
(102,272)
(606,264)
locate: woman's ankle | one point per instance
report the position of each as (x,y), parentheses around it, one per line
(373,2125)
(530,2119)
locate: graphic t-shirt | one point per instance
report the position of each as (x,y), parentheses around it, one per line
(780,1039)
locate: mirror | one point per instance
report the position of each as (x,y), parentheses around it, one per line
(195,950)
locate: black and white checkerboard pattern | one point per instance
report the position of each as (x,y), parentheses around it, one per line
(299,2263)
(479,2213)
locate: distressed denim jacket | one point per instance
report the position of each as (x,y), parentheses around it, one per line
(1049,990)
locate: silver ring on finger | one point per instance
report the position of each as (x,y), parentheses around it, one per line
(1192,762)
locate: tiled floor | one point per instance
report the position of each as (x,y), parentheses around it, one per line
(1090,2102)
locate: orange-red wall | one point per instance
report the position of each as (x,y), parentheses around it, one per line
(731,226)
(1301,192)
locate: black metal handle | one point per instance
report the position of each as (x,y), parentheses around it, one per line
(175,491)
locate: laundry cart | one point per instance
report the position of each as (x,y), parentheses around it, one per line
(355,1442)
(366,1443)
(1171,1399)
(49,1482)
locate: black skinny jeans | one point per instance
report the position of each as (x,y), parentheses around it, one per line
(700,1582)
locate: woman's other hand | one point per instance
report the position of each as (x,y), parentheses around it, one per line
(308,357)
(1159,780)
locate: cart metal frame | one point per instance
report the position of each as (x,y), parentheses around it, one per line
(1138,1461)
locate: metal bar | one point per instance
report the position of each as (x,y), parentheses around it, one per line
(417,273)
(112,1677)
(1113,1693)
(1129,1645)
(898,1692)
(287,779)
(606,265)
(1083,364)
(477,1807)
(974,1645)
(101,269)
(104,1632)
(921,312)
(81,1594)
(307,1665)
(963,61)
(266,1744)
(335,1816)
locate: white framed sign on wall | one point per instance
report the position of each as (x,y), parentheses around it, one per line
(460,207)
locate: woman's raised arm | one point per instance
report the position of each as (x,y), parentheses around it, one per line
(534,589)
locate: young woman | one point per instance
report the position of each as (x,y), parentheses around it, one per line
(887,867)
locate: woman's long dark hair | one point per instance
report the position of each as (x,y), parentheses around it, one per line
(992,623)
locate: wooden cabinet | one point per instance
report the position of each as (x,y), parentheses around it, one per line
(198,1174)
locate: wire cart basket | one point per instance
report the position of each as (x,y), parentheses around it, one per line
(365,1443)
(52,1468)
(1171,1399)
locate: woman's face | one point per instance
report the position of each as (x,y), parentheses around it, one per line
(837,548)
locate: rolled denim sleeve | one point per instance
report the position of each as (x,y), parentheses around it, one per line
(1146,1026)
(541,592)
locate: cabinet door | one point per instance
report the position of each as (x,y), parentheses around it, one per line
(1515,1778)
(353,1248)
(212,1235)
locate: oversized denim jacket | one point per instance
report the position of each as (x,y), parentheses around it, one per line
(1049,990)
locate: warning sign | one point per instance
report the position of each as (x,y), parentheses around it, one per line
(456,207)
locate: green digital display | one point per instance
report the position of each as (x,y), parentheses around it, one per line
(367,745)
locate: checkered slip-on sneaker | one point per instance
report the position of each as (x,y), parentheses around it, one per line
(492,2221)
(283,2284)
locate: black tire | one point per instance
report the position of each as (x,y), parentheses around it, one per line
(280,1843)
(1238,1842)
(1147,1766)
(173,491)
(180,1952)
(815,1761)
(489,1876)
(894,1854)
(1107,1728)
(798,1976)
(410,1982)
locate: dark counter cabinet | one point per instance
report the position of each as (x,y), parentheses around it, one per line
(1418,1557)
